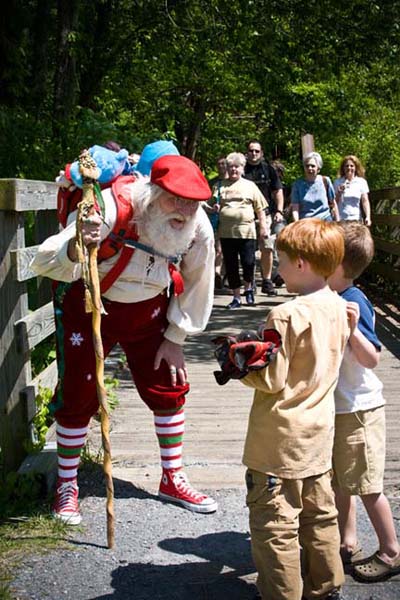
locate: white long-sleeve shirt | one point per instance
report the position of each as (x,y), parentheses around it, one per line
(145,276)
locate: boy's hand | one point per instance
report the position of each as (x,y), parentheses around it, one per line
(246,352)
(353,315)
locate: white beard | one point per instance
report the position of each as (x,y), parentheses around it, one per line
(154,226)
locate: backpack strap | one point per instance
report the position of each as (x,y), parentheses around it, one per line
(123,227)
(330,202)
(117,268)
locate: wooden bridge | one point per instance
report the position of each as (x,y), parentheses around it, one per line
(219,414)
(216,417)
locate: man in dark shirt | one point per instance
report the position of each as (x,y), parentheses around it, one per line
(266,178)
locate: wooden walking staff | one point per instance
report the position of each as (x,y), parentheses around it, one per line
(93,304)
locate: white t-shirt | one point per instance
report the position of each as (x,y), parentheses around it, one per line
(349,202)
(358,388)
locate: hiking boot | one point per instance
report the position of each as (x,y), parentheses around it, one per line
(218,283)
(335,595)
(278,281)
(66,507)
(249,297)
(268,288)
(175,487)
(236,303)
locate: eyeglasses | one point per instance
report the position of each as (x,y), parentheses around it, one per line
(185,204)
(254,151)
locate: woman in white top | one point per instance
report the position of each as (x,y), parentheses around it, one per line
(351,191)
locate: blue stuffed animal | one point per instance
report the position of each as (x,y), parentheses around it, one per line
(153,151)
(110,164)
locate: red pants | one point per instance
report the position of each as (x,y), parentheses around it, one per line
(138,327)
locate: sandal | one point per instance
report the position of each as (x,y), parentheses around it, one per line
(349,557)
(375,569)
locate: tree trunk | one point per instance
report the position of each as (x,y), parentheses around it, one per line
(65,84)
(40,55)
(13,20)
(100,55)
(191,137)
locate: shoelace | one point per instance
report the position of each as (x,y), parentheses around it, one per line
(67,497)
(183,485)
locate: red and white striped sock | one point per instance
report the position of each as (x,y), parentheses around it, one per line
(69,445)
(170,427)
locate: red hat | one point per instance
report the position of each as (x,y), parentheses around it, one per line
(181,177)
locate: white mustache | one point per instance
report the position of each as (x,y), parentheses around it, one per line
(163,237)
(177,216)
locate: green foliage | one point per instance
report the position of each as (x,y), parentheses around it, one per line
(20,494)
(111,384)
(5,593)
(90,459)
(41,421)
(206,73)
(43,355)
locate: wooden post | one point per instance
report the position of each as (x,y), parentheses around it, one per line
(15,366)
(307,144)
(46,224)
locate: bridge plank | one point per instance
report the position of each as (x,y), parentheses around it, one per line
(391,220)
(20,259)
(386,270)
(392,193)
(386,246)
(24,194)
(35,327)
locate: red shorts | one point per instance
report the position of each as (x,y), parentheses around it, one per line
(139,329)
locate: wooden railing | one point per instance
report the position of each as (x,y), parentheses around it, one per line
(23,324)
(386,231)
(27,318)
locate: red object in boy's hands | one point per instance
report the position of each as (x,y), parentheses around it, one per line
(254,355)
(239,355)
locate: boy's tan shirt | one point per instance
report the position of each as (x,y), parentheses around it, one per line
(291,424)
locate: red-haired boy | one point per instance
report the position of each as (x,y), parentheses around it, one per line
(288,450)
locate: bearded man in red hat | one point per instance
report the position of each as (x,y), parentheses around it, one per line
(163,292)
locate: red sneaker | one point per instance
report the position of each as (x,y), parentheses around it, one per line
(66,507)
(175,487)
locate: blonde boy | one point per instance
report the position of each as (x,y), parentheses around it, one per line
(289,441)
(359,447)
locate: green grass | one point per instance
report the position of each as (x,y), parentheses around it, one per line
(24,535)
(26,525)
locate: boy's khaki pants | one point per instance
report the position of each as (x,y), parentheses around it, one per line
(284,515)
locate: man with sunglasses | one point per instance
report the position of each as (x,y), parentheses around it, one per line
(266,178)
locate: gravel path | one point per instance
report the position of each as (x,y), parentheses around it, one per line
(162,552)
